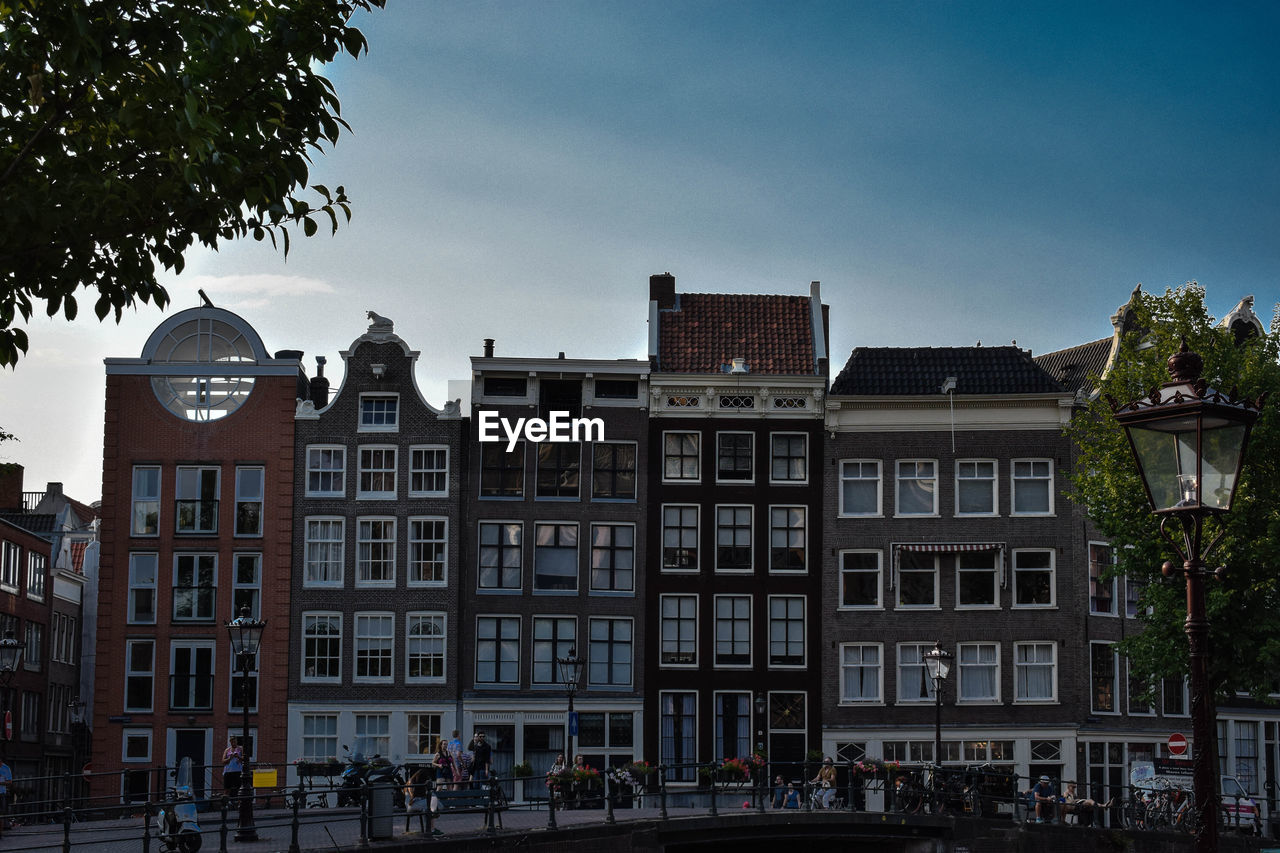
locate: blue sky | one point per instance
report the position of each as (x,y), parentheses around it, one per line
(950,172)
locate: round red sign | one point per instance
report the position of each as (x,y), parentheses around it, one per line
(1177,744)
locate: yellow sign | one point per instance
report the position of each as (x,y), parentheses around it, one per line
(264,778)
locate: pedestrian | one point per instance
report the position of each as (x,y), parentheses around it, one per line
(792,800)
(6,779)
(232,766)
(481,757)
(779,792)
(444,764)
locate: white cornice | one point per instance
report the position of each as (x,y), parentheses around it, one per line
(928,414)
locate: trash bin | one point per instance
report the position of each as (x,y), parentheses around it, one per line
(380,810)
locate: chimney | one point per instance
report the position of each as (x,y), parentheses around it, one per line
(488,347)
(662,289)
(302,390)
(11,485)
(320,385)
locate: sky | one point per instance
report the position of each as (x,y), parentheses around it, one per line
(951,172)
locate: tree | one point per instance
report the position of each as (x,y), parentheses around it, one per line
(1244,607)
(129,129)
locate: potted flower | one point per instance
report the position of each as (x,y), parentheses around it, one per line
(734,771)
(522,770)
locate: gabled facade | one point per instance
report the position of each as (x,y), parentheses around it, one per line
(557,559)
(733,659)
(374,624)
(946,523)
(197,518)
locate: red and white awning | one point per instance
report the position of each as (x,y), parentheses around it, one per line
(951,548)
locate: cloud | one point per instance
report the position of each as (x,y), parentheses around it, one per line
(255,290)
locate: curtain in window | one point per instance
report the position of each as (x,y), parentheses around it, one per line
(978,672)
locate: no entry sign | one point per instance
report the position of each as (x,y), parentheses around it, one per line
(1177,744)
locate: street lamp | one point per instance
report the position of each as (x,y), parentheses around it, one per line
(1189,443)
(246,637)
(938,662)
(570,675)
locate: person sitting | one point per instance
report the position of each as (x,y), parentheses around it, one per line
(416,801)
(1045,799)
(1088,811)
(825,781)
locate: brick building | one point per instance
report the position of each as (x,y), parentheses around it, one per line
(556,560)
(375,621)
(197,519)
(736,448)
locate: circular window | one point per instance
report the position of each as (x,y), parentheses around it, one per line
(212,383)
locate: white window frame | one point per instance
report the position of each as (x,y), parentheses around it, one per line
(612,550)
(936,603)
(545,650)
(697,534)
(786,621)
(331,523)
(678,620)
(332,618)
(194,646)
(899,479)
(733,621)
(502,547)
(697,436)
(845,667)
(365,641)
(338,474)
(441,620)
(751,476)
(1053,577)
(994,572)
(961,667)
(993,481)
(254,587)
(921,649)
(382,471)
(143,735)
(144,499)
(1186,698)
(1015,479)
(1019,666)
(244,497)
(213,585)
(312,737)
(751,535)
(199,471)
(557,548)
(879,573)
(414,538)
(844,511)
(443,472)
(788,481)
(682,772)
(37,574)
(635,483)
(369,426)
(11,570)
(236,676)
(129,673)
(363,565)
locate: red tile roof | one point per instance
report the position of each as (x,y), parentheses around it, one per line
(77,556)
(773,334)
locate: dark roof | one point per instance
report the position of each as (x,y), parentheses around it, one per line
(1077,367)
(773,334)
(922,370)
(41,524)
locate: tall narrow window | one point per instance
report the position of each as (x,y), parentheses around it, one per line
(139,675)
(788,536)
(555,557)
(323,556)
(428,471)
(191,675)
(377,473)
(679,630)
(914,683)
(11,569)
(500,555)
(979,672)
(1035,669)
(976,581)
(680,538)
(374,646)
(553,637)
(249,500)
(195,587)
(375,552)
(860,487)
(917,579)
(733,539)
(609,653)
(424,646)
(497,650)
(1033,578)
(1102,580)
(859,673)
(917,487)
(501,470)
(860,579)
(786,630)
(246,587)
(733,725)
(558,465)
(613,556)
(1033,487)
(788,457)
(322,647)
(146,501)
(197,500)
(975,487)
(678,735)
(733,630)
(680,456)
(1102,676)
(37,570)
(613,471)
(428,546)
(734,456)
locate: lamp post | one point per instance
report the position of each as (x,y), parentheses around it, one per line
(1189,442)
(10,658)
(570,675)
(246,638)
(938,662)
(75,711)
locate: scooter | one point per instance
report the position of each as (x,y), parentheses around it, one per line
(361,772)
(177,824)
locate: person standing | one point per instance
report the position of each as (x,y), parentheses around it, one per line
(6,779)
(444,764)
(481,757)
(232,766)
